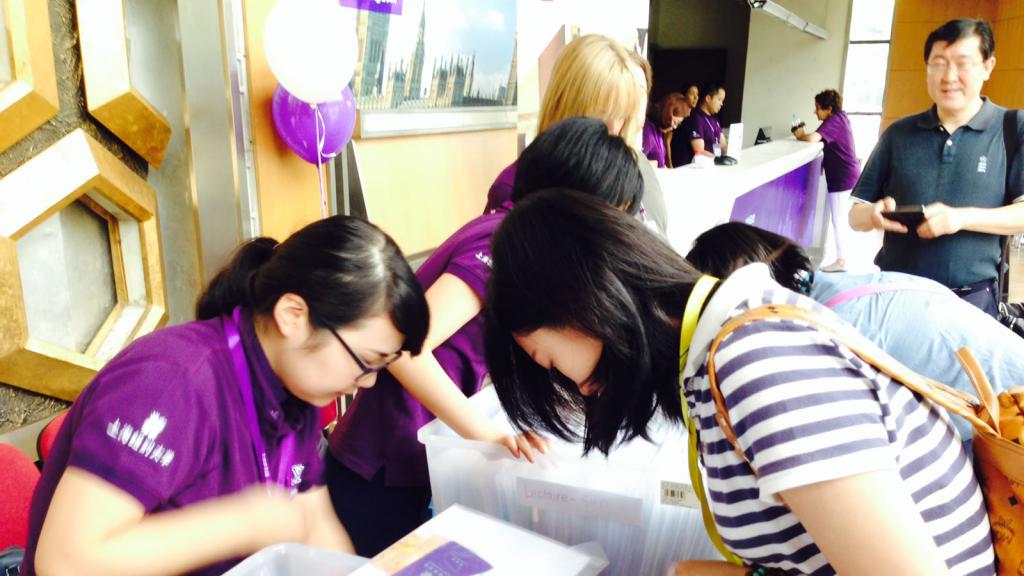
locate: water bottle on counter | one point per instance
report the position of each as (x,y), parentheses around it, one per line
(795,123)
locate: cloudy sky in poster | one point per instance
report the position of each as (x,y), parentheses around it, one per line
(458,27)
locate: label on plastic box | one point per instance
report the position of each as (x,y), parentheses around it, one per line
(676,494)
(580,501)
(451,559)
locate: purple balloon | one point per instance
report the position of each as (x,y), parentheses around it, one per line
(296,123)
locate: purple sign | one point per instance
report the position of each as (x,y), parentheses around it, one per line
(383,6)
(784,205)
(452,559)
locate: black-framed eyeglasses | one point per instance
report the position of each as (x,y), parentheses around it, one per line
(366,369)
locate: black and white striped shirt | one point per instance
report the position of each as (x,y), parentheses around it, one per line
(805,410)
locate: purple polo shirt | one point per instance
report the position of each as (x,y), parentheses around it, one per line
(379,428)
(501,189)
(164,421)
(653,143)
(840,163)
(698,126)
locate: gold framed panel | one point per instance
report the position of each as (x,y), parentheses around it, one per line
(109,94)
(29,100)
(117,261)
(78,168)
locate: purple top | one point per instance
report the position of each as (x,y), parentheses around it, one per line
(841,165)
(699,126)
(654,143)
(501,190)
(380,427)
(164,421)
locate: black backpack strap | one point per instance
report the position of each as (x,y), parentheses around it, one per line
(1011,143)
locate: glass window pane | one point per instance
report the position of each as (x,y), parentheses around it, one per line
(865,134)
(871,20)
(864,80)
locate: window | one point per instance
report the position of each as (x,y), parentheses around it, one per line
(867,59)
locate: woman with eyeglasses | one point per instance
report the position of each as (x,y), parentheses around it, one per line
(197,445)
(594,326)
(377,469)
(918,321)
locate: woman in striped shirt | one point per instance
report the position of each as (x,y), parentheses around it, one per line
(856,474)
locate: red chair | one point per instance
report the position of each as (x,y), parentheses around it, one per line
(46,438)
(17,482)
(328,414)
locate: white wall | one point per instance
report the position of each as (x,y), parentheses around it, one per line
(787,67)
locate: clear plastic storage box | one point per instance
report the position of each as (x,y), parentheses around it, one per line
(637,504)
(297,560)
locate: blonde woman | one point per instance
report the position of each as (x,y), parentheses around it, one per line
(599,77)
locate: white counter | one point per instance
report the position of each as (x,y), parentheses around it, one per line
(701,198)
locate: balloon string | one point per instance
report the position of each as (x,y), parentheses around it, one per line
(321,136)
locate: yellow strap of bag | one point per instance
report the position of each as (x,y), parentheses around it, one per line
(691,314)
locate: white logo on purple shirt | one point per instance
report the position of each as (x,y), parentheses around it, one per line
(143,439)
(297,470)
(486,259)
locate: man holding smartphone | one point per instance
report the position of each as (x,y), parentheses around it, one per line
(951,160)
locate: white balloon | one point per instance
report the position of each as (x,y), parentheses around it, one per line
(311,48)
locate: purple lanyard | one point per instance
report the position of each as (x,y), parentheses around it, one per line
(245,386)
(707,120)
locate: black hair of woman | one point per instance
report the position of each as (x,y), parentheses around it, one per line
(343,267)
(578,153)
(563,259)
(727,247)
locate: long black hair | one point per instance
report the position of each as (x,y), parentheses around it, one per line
(578,153)
(723,249)
(563,259)
(346,269)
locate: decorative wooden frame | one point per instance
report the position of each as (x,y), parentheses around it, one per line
(77,167)
(109,93)
(30,99)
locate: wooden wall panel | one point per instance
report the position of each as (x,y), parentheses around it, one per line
(906,91)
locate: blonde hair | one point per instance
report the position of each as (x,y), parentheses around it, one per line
(596,76)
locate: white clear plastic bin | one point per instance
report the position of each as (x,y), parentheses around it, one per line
(630,503)
(297,560)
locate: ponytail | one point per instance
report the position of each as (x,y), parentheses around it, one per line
(346,269)
(232,286)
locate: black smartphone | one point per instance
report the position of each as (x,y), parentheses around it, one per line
(909,216)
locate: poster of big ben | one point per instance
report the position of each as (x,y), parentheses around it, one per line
(435,54)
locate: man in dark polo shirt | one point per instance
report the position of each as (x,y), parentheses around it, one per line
(951,159)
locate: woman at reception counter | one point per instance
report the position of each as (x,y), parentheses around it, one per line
(840,163)
(664,117)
